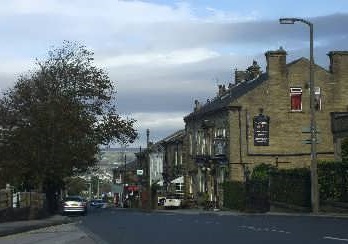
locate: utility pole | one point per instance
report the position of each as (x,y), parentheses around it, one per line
(313,126)
(98,191)
(148,173)
(125,168)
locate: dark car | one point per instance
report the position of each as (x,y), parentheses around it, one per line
(74,204)
(98,203)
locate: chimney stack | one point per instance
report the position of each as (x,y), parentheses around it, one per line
(338,64)
(239,76)
(253,70)
(197,105)
(276,62)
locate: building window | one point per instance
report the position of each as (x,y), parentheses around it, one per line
(176,157)
(296,98)
(317,98)
(190,143)
(179,187)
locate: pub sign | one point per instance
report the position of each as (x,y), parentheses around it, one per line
(261,130)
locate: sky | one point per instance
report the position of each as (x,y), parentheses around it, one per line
(163,55)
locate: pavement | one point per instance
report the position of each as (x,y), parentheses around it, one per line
(15,227)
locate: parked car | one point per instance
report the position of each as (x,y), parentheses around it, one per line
(74,204)
(98,203)
(161,200)
(173,201)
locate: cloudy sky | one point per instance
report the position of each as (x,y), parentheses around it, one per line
(161,54)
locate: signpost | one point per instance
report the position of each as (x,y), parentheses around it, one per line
(307,130)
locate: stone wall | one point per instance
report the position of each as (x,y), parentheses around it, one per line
(272,98)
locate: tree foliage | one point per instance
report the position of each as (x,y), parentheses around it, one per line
(75,185)
(55,118)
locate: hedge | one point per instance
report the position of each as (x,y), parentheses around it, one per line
(289,186)
(292,186)
(333,181)
(234,195)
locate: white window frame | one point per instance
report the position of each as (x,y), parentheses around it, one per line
(317,97)
(295,91)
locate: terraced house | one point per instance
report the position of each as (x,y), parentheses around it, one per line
(262,118)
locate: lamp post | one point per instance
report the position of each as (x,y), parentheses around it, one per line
(314,173)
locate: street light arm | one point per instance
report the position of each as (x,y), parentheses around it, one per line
(293,20)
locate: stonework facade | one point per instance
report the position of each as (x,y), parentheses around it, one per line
(263,119)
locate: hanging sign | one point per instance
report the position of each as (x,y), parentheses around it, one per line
(261,130)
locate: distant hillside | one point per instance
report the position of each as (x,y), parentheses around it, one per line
(116,156)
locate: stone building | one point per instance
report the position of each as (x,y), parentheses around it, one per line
(162,162)
(173,166)
(263,118)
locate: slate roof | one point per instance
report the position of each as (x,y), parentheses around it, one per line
(306,60)
(176,135)
(232,94)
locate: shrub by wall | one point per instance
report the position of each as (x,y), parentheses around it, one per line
(291,186)
(333,181)
(262,172)
(234,195)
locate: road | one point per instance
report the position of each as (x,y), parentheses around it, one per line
(125,226)
(128,227)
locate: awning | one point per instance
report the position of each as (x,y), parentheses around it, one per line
(132,188)
(178,180)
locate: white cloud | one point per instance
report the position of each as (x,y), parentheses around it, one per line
(220,16)
(118,11)
(175,57)
(14,66)
(160,120)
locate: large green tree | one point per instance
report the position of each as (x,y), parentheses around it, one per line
(55,118)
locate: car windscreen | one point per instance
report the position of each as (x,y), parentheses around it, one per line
(76,199)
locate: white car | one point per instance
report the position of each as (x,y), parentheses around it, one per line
(74,204)
(173,201)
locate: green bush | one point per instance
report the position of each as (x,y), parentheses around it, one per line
(234,195)
(262,172)
(291,186)
(333,181)
(345,150)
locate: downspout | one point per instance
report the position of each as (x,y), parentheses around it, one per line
(240,135)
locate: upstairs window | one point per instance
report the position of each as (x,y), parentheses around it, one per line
(317,98)
(296,98)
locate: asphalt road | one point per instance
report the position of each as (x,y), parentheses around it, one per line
(127,227)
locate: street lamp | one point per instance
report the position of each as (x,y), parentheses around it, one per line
(314,173)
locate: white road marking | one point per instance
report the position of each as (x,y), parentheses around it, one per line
(270,229)
(334,238)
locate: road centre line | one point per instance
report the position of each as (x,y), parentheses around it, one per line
(335,238)
(272,229)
